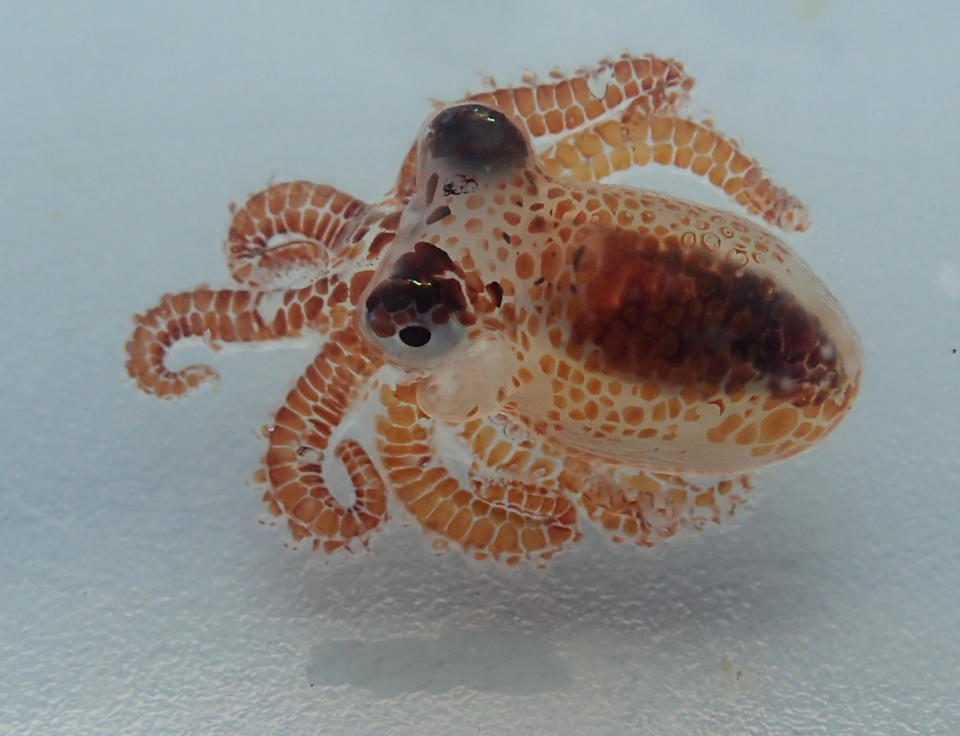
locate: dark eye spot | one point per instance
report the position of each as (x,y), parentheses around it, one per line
(415,336)
(495,291)
(417,280)
(475,137)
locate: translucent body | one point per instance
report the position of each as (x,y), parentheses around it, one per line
(620,325)
(566,349)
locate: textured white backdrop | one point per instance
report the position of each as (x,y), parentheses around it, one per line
(139,596)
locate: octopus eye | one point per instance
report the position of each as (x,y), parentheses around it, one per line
(415,336)
(476,138)
(414,321)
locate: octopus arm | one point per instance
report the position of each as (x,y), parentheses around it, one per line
(645,508)
(216,315)
(298,443)
(511,508)
(607,147)
(631,85)
(287,227)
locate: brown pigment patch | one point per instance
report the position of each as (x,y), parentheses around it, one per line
(662,312)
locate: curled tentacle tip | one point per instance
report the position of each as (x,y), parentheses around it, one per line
(175,385)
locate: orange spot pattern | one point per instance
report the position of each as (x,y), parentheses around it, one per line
(591,343)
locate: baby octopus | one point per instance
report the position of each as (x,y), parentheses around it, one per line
(587,345)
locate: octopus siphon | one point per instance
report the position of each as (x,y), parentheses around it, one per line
(595,351)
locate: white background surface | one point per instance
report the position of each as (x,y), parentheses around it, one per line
(139,595)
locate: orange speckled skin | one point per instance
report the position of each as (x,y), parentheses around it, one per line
(586,345)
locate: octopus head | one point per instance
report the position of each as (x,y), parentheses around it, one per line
(421,314)
(472,139)
(416,313)
(428,307)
